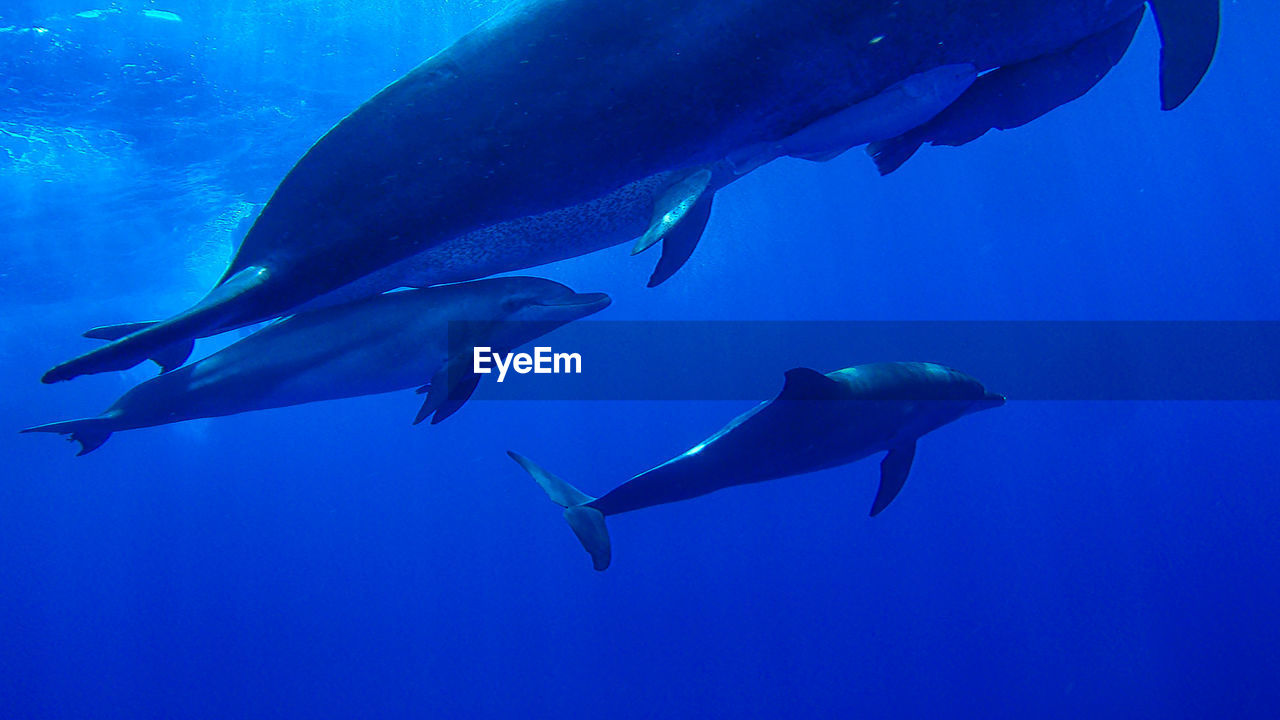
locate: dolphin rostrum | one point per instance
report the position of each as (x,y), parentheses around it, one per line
(389,342)
(817,422)
(555,129)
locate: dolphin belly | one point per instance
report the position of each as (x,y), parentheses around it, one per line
(612,219)
(275,372)
(711,466)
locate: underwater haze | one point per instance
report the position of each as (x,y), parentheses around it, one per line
(1055,557)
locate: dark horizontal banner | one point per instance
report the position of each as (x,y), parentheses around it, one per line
(1022,360)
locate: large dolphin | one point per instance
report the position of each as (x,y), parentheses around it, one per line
(817,422)
(389,342)
(562,126)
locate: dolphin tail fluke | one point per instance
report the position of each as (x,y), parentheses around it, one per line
(585,521)
(1188,41)
(218,307)
(168,358)
(89,432)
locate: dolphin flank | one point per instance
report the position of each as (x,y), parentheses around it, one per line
(400,340)
(817,422)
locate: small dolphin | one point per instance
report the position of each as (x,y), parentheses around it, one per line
(817,422)
(390,342)
(556,128)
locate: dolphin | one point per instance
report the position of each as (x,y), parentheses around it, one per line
(555,128)
(390,342)
(817,422)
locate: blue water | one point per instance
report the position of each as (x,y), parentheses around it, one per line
(1047,559)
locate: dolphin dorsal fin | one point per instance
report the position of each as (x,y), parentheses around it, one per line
(1188,41)
(894,469)
(671,207)
(806,384)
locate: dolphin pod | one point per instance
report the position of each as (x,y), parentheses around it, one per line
(555,129)
(389,342)
(817,422)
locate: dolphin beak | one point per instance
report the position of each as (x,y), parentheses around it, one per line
(990,400)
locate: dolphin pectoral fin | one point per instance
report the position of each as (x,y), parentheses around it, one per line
(891,154)
(750,158)
(1188,40)
(222,304)
(168,358)
(894,469)
(89,432)
(437,392)
(173,356)
(672,206)
(1014,95)
(449,389)
(586,522)
(678,244)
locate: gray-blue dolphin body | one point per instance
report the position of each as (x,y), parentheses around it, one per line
(816,422)
(389,342)
(563,126)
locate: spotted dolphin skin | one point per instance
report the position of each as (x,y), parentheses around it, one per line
(389,342)
(817,422)
(557,128)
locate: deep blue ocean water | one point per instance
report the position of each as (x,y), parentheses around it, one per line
(1047,559)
